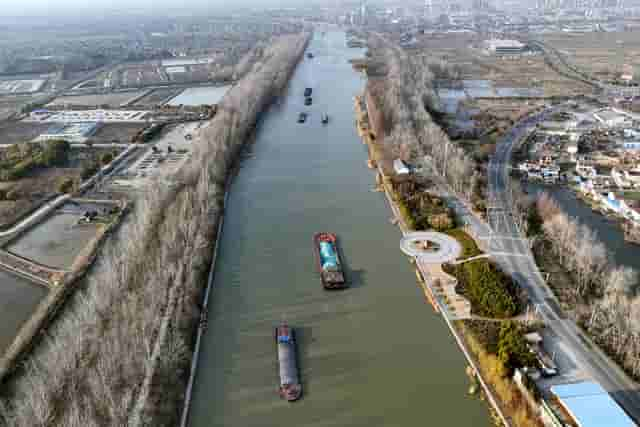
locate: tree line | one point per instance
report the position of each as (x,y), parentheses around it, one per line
(120,352)
(408,103)
(605,295)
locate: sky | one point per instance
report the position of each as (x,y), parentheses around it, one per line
(83,7)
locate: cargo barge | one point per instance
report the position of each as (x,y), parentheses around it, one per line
(290,387)
(325,247)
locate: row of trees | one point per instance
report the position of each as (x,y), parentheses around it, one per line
(21,161)
(605,295)
(119,354)
(408,101)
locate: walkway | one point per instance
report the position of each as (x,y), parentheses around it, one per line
(35,217)
(446,248)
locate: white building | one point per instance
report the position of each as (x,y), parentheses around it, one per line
(610,118)
(504,47)
(400,167)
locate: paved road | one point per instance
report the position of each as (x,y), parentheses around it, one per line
(559,61)
(591,361)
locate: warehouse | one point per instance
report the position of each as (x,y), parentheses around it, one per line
(504,47)
(590,405)
(73,132)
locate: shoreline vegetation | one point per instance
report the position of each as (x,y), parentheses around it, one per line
(119,353)
(600,296)
(395,118)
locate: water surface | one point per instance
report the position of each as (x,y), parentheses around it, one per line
(18,299)
(372,355)
(55,242)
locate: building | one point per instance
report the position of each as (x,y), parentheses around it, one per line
(610,118)
(71,132)
(590,405)
(504,47)
(400,167)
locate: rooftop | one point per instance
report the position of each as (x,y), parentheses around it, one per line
(499,43)
(591,406)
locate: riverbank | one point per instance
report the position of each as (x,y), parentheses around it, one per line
(299,179)
(422,273)
(593,289)
(135,320)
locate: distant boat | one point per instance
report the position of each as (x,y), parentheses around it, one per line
(302,117)
(325,119)
(308,91)
(309,55)
(290,387)
(308,100)
(325,247)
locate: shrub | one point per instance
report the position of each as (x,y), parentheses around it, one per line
(106,158)
(66,185)
(89,170)
(55,153)
(491,292)
(512,347)
(13,194)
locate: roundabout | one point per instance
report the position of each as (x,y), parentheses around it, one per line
(431,247)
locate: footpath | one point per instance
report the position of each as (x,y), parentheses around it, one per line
(427,273)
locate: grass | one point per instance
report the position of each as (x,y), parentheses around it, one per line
(630,195)
(469,247)
(493,372)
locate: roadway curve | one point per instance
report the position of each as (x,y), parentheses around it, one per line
(524,269)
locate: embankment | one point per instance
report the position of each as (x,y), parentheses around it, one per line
(120,354)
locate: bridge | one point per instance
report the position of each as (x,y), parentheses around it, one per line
(33,271)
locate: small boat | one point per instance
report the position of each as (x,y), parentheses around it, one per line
(302,117)
(325,247)
(325,119)
(309,55)
(308,100)
(308,91)
(290,387)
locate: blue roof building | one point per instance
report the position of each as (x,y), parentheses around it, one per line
(591,406)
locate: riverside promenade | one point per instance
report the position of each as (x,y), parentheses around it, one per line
(427,271)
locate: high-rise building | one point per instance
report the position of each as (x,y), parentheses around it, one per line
(363,12)
(428,10)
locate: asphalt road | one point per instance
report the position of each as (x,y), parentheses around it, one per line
(517,259)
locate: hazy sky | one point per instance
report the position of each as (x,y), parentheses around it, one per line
(82,7)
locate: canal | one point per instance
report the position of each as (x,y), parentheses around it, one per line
(372,355)
(18,300)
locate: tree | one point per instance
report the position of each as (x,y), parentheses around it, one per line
(13,194)
(106,158)
(66,185)
(513,351)
(55,152)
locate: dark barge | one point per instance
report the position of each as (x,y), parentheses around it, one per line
(290,387)
(325,247)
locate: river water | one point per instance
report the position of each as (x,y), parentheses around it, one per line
(372,355)
(609,232)
(18,300)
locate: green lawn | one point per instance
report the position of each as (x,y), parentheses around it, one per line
(469,247)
